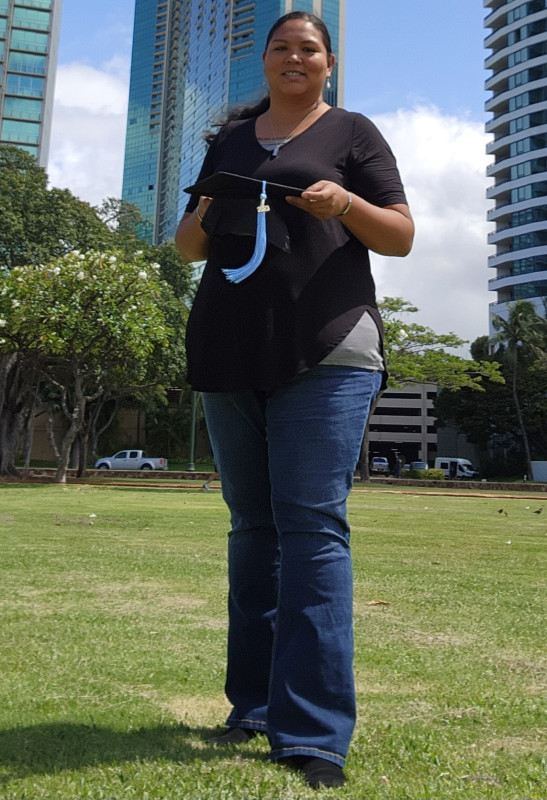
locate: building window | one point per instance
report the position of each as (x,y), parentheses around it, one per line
(525,266)
(28,63)
(32,20)
(20,132)
(525,291)
(25,86)
(29,40)
(24,109)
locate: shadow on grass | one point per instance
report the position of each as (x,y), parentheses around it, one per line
(58,746)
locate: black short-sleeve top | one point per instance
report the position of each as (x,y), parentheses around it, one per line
(315,281)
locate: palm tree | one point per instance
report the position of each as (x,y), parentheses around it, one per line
(522,334)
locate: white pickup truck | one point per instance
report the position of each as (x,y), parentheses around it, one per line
(131,459)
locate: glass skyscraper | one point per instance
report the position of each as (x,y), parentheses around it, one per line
(518,41)
(29,35)
(191,60)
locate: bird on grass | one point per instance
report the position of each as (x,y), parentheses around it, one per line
(538,510)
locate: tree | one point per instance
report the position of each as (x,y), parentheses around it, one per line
(490,420)
(416,354)
(39,224)
(522,339)
(17,377)
(86,322)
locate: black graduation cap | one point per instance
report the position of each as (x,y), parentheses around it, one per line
(230,185)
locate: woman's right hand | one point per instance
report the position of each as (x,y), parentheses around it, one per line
(191,240)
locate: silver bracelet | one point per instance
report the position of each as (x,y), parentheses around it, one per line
(347,208)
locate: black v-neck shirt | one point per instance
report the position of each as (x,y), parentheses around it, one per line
(314,283)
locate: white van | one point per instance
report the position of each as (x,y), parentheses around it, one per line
(456,469)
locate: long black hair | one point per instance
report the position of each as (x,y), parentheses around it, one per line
(255,109)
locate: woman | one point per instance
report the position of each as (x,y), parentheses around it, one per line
(289,362)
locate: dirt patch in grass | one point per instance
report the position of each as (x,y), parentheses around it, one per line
(191,709)
(520,745)
(429,639)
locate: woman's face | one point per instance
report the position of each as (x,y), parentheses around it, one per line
(296,61)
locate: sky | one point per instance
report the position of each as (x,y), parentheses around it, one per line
(415,67)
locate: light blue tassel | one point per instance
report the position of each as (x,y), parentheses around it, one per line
(239,274)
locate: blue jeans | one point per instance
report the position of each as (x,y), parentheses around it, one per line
(286,461)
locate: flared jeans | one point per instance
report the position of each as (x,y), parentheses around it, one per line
(286,461)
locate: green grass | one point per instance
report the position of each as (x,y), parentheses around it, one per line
(112,642)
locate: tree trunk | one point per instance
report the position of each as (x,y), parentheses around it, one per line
(9,434)
(82,453)
(74,458)
(28,432)
(522,426)
(64,452)
(93,432)
(76,418)
(50,430)
(12,390)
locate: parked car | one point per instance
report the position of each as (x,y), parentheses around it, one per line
(414,465)
(459,469)
(131,459)
(378,464)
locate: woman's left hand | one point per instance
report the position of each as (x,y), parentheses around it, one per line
(387,230)
(322,200)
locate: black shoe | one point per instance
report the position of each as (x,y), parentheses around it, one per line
(317,771)
(233,736)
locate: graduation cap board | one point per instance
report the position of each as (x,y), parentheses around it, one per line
(228,184)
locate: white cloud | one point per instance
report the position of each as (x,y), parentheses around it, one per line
(443,164)
(88,131)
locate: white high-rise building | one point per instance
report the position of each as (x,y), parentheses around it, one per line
(518,82)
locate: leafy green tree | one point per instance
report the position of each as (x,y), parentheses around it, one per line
(522,340)
(177,273)
(38,223)
(416,354)
(490,420)
(87,322)
(17,380)
(479,417)
(167,425)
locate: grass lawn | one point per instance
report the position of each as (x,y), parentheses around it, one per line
(112,643)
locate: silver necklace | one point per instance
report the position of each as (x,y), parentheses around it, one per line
(287,138)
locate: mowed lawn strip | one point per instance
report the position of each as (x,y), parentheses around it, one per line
(112,648)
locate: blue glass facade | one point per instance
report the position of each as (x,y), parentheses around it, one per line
(191,60)
(29,35)
(518,81)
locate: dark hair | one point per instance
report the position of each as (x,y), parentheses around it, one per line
(315,21)
(255,109)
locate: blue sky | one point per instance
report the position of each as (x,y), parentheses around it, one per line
(407,51)
(397,51)
(416,67)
